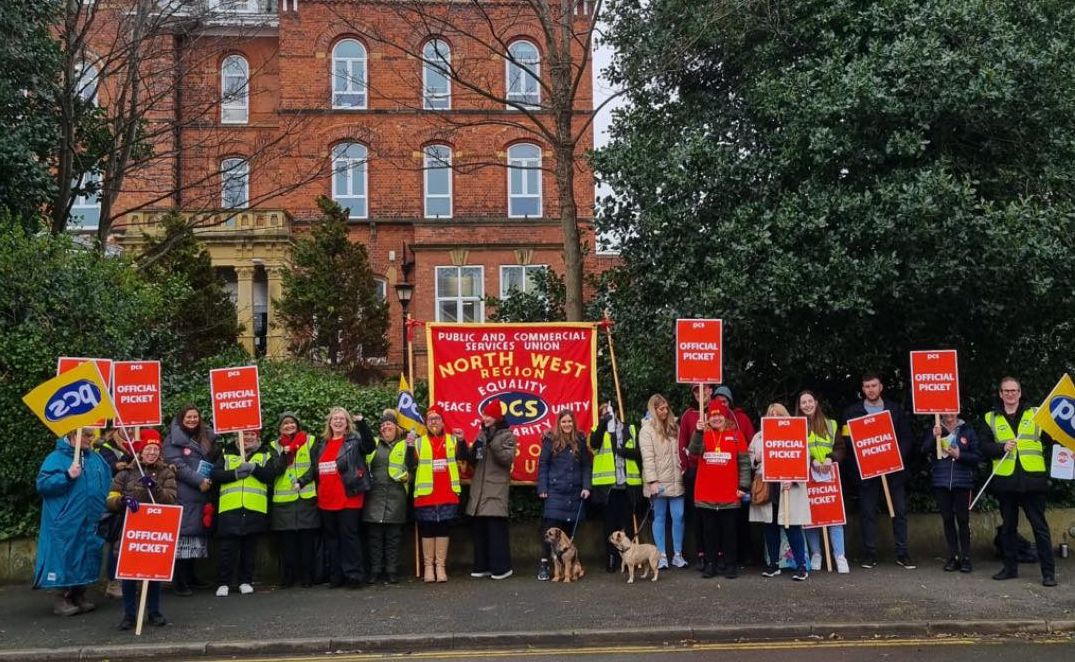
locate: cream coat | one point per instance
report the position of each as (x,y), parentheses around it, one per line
(796,500)
(660,461)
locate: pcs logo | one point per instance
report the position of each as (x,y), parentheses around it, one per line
(73,399)
(521,408)
(1062,410)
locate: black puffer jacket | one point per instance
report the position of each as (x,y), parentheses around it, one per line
(350,461)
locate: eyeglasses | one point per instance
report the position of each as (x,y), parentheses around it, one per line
(1010,390)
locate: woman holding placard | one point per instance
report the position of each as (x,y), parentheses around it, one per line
(826,449)
(952,477)
(788,508)
(722,480)
(191,449)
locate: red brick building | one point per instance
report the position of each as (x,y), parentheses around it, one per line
(450,188)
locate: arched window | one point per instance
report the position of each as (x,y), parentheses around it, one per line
(349,178)
(234,90)
(349,74)
(436,80)
(524,181)
(438,181)
(234,183)
(524,70)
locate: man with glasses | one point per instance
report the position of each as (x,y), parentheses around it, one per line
(1020,480)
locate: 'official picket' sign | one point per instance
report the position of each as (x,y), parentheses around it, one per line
(236,399)
(699,351)
(935,382)
(874,438)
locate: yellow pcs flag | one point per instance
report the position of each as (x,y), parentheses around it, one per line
(71,399)
(407,413)
(1056,416)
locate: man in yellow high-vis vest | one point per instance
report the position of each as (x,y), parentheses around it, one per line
(1021,477)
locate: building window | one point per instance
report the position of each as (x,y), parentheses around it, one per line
(234,90)
(438,181)
(459,294)
(86,209)
(234,184)
(436,75)
(86,83)
(524,69)
(524,181)
(519,277)
(381,286)
(349,75)
(235,6)
(349,178)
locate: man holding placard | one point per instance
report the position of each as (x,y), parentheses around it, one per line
(870,489)
(1020,478)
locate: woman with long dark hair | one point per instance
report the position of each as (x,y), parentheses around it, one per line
(826,450)
(564,480)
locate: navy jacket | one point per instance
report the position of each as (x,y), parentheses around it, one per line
(563,476)
(949,473)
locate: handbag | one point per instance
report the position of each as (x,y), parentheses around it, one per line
(759,491)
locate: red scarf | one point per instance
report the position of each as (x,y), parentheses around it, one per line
(292,443)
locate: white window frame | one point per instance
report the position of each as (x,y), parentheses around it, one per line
(427,167)
(87,82)
(525,164)
(513,63)
(352,164)
(459,299)
(236,6)
(87,205)
(382,288)
(234,167)
(432,100)
(351,86)
(235,107)
(525,268)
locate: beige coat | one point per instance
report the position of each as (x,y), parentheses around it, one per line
(796,500)
(491,482)
(660,461)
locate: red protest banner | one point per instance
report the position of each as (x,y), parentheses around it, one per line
(236,399)
(148,543)
(935,382)
(535,370)
(65,363)
(826,500)
(136,392)
(699,351)
(876,448)
(784,456)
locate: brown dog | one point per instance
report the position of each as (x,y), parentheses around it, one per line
(565,556)
(633,556)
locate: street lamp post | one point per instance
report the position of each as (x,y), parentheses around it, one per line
(404,292)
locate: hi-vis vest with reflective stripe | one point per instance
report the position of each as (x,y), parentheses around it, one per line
(423,480)
(249,493)
(820,447)
(283,490)
(397,468)
(1027,443)
(604,463)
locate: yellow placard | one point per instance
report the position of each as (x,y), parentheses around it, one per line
(1056,416)
(71,399)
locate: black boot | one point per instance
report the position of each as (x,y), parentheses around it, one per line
(180,578)
(710,571)
(613,563)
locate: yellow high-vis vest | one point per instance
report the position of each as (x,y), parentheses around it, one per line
(604,463)
(283,490)
(423,479)
(249,493)
(1027,440)
(820,447)
(397,466)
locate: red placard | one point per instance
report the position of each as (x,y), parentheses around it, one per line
(784,455)
(65,363)
(826,501)
(876,447)
(699,351)
(935,382)
(136,392)
(148,544)
(534,370)
(236,399)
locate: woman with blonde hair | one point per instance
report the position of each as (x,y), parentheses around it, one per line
(338,466)
(826,449)
(788,505)
(662,476)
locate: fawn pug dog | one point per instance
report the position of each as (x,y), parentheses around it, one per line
(632,556)
(565,556)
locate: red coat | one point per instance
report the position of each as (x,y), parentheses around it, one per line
(718,477)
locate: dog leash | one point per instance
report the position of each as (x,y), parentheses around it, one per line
(577,515)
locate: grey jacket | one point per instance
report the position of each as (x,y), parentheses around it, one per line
(491,482)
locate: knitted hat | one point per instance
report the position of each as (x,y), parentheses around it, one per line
(389,416)
(494,409)
(719,408)
(434,410)
(286,415)
(726,393)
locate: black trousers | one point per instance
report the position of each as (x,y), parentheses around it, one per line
(719,535)
(692,518)
(297,555)
(954,505)
(871,496)
(492,546)
(384,541)
(343,544)
(236,550)
(1033,505)
(618,512)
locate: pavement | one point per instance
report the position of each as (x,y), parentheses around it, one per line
(601,609)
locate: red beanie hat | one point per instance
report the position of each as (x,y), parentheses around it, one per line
(718,407)
(149,436)
(494,409)
(434,409)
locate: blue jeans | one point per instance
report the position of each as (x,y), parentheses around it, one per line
(661,506)
(795,541)
(836,535)
(130,598)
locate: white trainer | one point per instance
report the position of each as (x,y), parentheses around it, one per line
(842,566)
(679,561)
(246,589)
(815,562)
(222,592)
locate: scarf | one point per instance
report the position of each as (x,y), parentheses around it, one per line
(292,443)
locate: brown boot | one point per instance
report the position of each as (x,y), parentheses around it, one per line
(428,549)
(63,605)
(114,590)
(442,558)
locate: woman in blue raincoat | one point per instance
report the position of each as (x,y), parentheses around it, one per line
(68,547)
